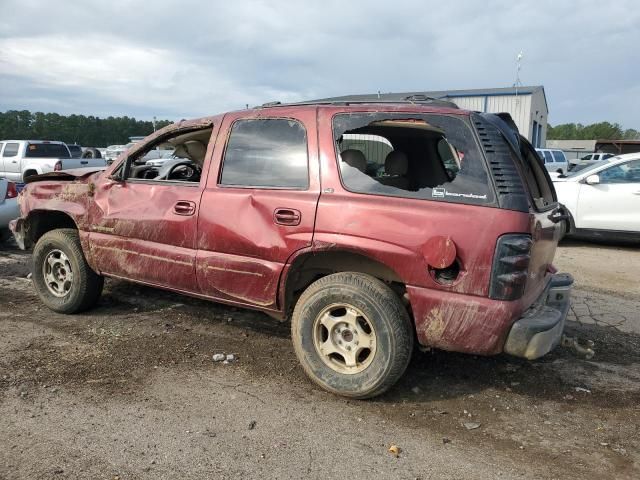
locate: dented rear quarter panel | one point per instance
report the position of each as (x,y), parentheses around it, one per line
(396,232)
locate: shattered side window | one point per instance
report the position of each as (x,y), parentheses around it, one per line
(424,156)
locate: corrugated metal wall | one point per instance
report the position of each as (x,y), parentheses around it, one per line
(522,108)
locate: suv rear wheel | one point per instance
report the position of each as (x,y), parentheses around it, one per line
(63,280)
(352,334)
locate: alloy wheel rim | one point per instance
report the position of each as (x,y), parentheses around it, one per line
(344,339)
(57,273)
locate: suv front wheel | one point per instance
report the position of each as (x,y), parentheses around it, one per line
(352,334)
(62,278)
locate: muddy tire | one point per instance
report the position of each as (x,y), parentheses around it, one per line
(61,276)
(352,335)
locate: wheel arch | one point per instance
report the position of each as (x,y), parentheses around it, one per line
(39,222)
(310,265)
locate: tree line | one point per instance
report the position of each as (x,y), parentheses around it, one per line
(595,131)
(88,131)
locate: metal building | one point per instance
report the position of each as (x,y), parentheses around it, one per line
(527,105)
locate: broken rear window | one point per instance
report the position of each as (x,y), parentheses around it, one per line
(425,156)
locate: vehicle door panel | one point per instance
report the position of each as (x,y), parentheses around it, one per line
(12,164)
(610,206)
(242,247)
(137,234)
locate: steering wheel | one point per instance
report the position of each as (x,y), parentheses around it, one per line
(185,170)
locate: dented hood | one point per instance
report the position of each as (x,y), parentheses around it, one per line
(68,175)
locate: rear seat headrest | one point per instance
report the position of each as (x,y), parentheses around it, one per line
(355,159)
(396,163)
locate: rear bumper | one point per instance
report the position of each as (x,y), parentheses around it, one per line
(540,329)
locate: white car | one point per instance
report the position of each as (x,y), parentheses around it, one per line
(20,159)
(9,208)
(554,160)
(603,199)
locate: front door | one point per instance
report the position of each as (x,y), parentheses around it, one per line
(259,205)
(143,226)
(614,203)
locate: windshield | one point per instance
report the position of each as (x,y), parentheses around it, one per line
(588,169)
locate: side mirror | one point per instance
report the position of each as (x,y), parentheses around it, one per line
(592,180)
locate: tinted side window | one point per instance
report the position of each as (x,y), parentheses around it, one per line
(558,156)
(266,153)
(10,150)
(624,173)
(547,157)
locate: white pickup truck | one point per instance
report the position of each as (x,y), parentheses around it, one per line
(20,159)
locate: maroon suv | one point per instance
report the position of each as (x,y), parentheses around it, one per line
(370,225)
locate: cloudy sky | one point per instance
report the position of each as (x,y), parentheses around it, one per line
(192,58)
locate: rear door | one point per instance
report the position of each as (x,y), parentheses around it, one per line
(259,205)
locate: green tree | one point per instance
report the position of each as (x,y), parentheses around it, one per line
(595,131)
(84,130)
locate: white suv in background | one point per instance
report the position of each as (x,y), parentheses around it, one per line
(554,160)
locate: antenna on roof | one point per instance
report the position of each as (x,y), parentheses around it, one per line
(518,83)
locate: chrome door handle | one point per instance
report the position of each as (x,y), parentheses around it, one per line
(287,216)
(184,207)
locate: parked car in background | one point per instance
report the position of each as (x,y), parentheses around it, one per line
(603,199)
(9,209)
(20,159)
(276,209)
(554,160)
(579,163)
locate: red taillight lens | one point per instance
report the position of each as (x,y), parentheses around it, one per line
(510,267)
(12,191)
(58,166)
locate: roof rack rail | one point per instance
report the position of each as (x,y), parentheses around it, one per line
(412,100)
(271,104)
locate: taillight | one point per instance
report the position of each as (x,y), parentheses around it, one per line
(510,266)
(58,166)
(12,190)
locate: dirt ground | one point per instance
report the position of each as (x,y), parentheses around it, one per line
(129,390)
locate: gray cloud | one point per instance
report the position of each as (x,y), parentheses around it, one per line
(188,58)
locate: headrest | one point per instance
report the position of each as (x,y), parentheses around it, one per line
(396,163)
(355,159)
(197,150)
(181,151)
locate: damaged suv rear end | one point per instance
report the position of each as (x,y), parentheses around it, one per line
(459,206)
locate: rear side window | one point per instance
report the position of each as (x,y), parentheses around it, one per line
(423,156)
(548,158)
(10,150)
(47,150)
(558,156)
(270,153)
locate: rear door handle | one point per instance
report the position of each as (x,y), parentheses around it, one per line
(287,216)
(184,207)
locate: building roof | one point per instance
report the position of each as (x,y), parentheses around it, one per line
(443,94)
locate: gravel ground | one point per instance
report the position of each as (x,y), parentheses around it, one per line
(129,390)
